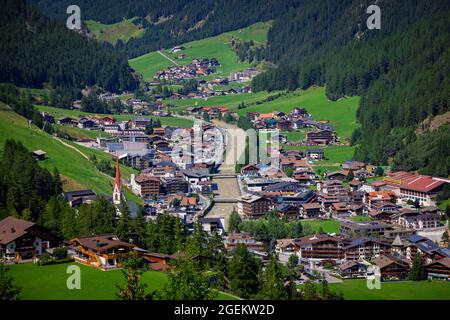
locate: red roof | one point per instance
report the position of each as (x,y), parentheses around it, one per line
(421,183)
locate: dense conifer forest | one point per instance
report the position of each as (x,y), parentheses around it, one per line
(38,51)
(402,71)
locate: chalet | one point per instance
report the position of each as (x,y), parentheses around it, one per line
(21,239)
(392,267)
(284,125)
(315,154)
(233,239)
(253,206)
(427,249)
(332,188)
(336,175)
(161,145)
(362,174)
(310,210)
(355,185)
(79,197)
(287,210)
(379,196)
(67,121)
(174,185)
(102,251)
(250,170)
(320,247)
(353,165)
(419,219)
(321,137)
(439,269)
(365,249)
(353,269)
(85,123)
(284,186)
(39,155)
(286,246)
(157,261)
(145,186)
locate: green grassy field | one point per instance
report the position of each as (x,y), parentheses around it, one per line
(165,121)
(49,282)
(256,32)
(333,154)
(214,47)
(329,226)
(341,113)
(78,133)
(70,163)
(124,30)
(406,290)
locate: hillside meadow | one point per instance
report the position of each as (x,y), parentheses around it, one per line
(214,47)
(71,164)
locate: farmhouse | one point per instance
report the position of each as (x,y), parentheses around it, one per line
(321,137)
(315,154)
(21,239)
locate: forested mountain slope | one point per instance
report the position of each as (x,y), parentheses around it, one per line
(168,23)
(402,71)
(36,50)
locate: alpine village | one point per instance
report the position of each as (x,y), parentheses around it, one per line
(109,161)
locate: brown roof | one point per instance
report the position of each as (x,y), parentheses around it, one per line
(315,239)
(12,228)
(385,260)
(445,262)
(101,243)
(313,205)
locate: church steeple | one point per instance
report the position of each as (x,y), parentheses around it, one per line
(117,189)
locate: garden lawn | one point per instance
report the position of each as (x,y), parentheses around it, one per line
(329,226)
(404,290)
(49,282)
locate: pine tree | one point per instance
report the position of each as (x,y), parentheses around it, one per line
(272,281)
(134,289)
(187,281)
(417,271)
(234,221)
(243,270)
(124,227)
